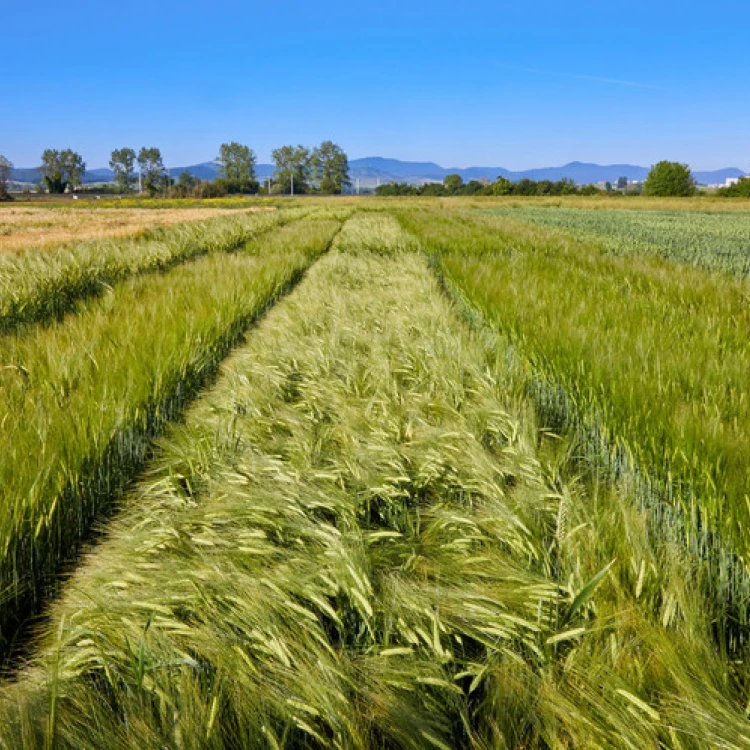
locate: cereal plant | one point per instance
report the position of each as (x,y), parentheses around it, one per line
(82,399)
(360,538)
(712,240)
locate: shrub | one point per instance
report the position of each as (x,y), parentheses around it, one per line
(669,178)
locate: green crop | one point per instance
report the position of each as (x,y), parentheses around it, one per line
(714,241)
(44,285)
(81,400)
(650,359)
(360,538)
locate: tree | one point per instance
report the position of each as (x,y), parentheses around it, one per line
(186,185)
(622,183)
(502,186)
(122,164)
(330,167)
(473,187)
(396,188)
(6,167)
(544,187)
(453,183)
(433,188)
(565,186)
(292,162)
(740,189)
(669,178)
(525,187)
(151,167)
(188,180)
(236,164)
(61,168)
(590,190)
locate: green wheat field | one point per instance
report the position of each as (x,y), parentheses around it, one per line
(379,474)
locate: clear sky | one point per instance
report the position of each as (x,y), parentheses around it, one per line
(512,84)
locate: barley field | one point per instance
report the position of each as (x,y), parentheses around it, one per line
(379,474)
(704,239)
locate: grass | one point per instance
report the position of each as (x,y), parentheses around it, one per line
(25,228)
(360,537)
(713,241)
(45,285)
(604,203)
(648,358)
(82,399)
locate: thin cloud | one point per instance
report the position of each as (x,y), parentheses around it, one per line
(582,77)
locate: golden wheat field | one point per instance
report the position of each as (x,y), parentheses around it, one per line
(25,227)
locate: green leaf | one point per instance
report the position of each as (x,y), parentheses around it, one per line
(584,594)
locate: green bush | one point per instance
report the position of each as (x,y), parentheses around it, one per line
(739,190)
(669,178)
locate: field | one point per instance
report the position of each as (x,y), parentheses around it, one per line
(28,227)
(380,474)
(706,240)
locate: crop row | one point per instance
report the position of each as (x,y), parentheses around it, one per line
(45,284)
(713,241)
(82,399)
(359,538)
(649,359)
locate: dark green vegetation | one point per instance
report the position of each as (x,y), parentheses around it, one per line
(740,189)
(60,169)
(515,519)
(669,178)
(236,165)
(454,185)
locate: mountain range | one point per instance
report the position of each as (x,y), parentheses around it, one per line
(377,169)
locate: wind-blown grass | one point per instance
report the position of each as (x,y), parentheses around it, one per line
(45,285)
(359,538)
(651,358)
(81,400)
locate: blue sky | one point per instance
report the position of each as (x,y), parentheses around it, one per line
(512,84)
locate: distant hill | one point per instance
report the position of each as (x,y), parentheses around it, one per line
(581,173)
(718,175)
(374,169)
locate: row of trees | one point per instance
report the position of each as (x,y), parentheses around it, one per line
(664,179)
(323,169)
(297,169)
(454,185)
(151,171)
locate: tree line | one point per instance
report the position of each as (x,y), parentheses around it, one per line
(323,169)
(453,184)
(664,179)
